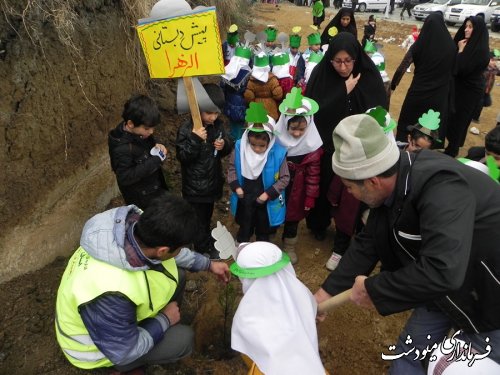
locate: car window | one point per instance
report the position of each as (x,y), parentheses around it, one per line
(476,2)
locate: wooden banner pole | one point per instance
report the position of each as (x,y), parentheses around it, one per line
(193,103)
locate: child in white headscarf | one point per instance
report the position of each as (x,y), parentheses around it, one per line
(297,132)
(258,175)
(275,323)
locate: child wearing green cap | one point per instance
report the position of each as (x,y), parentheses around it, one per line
(318,12)
(234,83)
(369,30)
(271,34)
(314,42)
(424,134)
(258,175)
(229,46)
(297,63)
(297,132)
(312,56)
(280,61)
(263,86)
(379,60)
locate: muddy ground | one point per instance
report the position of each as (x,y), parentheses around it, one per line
(351,339)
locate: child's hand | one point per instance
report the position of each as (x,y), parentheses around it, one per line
(221,270)
(262,198)
(162,148)
(201,132)
(219,144)
(239,192)
(160,151)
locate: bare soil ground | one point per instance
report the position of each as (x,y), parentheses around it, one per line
(351,339)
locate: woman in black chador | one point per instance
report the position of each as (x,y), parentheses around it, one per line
(433,54)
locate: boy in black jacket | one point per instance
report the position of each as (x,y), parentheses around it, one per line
(200,152)
(135,156)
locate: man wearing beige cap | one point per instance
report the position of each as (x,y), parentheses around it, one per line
(434,226)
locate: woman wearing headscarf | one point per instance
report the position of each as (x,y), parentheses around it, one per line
(433,54)
(344,22)
(346,82)
(472,59)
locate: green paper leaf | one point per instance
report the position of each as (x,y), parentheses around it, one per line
(293,99)
(430,120)
(378,113)
(256,113)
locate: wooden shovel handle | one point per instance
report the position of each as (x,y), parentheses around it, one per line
(334,301)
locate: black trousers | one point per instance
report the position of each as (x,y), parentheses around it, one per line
(319,218)
(203,241)
(407,7)
(252,218)
(290,229)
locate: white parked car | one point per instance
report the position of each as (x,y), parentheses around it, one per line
(364,5)
(458,13)
(421,11)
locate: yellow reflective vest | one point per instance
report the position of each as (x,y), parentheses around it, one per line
(85,279)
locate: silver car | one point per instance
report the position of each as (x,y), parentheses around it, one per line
(421,11)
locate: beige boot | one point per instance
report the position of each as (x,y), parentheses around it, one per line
(289,247)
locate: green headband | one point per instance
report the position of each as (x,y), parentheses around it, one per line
(282,59)
(261,61)
(315,57)
(257,272)
(243,52)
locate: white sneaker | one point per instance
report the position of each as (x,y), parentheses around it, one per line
(333,261)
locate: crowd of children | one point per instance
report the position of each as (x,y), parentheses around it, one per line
(279,143)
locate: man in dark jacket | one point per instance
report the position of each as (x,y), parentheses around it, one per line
(433,225)
(136,158)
